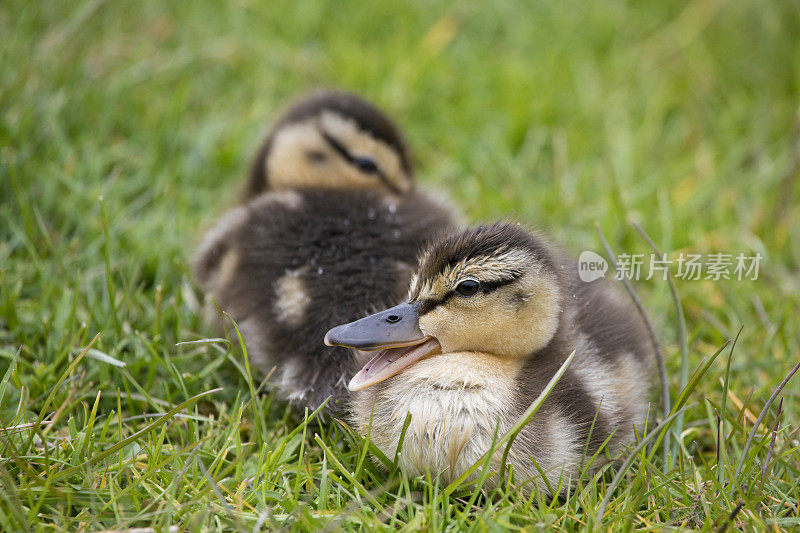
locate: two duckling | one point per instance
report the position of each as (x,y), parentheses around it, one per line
(330,214)
(329,231)
(492,313)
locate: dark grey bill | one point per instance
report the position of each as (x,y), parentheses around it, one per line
(393,328)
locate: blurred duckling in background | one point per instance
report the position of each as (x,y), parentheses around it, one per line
(327,232)
(492,313)
(332,140)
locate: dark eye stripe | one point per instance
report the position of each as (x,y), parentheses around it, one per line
(337,146)
(347,156)
(428,305)
(490,286)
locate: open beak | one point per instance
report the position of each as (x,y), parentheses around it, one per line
(395,332)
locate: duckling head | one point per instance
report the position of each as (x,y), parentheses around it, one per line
(491,289)
(332,140)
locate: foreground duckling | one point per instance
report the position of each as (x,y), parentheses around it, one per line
(492,313)
(332,215)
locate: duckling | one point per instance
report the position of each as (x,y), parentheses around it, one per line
(492,313)
(330,213)
(332,140)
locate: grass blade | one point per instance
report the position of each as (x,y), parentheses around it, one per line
(761,416)
(110,287)
(662,369)
(659,430)
(54,390)
(722,448)
(10,370)
(683,341)
(105,358)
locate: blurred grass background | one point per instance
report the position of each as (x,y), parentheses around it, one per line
(680,115)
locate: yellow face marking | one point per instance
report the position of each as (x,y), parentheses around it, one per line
(301,157)
(515,319)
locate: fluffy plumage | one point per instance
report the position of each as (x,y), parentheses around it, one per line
(334,255)
(500,346)
(328,230)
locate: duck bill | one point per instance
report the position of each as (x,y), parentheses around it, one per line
(388,363)
(395,332)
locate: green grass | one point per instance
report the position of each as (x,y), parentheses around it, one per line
(127,127)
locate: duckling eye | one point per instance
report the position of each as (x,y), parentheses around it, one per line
(366,164)
(468,287)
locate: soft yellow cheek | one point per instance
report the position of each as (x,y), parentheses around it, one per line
(493,328)
(433,324)
(443,325)
(289,166)
(460,330)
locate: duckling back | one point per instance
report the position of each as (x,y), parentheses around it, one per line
(289,265)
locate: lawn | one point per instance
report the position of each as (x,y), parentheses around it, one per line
(127,127)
